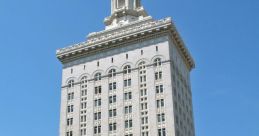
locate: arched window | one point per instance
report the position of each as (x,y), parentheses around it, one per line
(97,76)
(142,65)
(71,83)
(127,69)
(157,62)
(142,72)
(83,86)
(83,82)
(112,73)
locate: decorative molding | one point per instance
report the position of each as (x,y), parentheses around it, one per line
(127,33)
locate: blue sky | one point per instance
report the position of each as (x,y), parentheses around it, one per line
(222,36)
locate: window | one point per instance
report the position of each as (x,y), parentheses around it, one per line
(127,69)
(162,132)
(70,133)
(71,83)
(69,121)
(97,76)
(128,96)
(112,86)
(70,108)
(160,103)
(128,123)
(143,92)
(143,78)
(70,96)
(157,62)
(84,82)
(83,105)
(160,117)
(143,106)
(144,120)
(84,86)
(83,118)
(112,73)
(112,113)
(138,3)
(98,90)
(128,109)
(97,129)
(97,102)
(83,132)
(142,65)
(144,133)
(112,99)
(158,75)
(159,89)
(112,126)
(97,116)
(127,82)
(121,3)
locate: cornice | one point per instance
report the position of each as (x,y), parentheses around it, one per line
(125,34)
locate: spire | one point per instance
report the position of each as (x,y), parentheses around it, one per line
(124,12)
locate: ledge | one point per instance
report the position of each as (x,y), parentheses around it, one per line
(126,33)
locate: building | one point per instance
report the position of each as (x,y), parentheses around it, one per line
(131,79)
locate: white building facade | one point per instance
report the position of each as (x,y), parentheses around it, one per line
(131,79)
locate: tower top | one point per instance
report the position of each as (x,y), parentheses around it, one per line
(124,12)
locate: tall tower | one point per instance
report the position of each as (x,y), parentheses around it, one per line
(131,79)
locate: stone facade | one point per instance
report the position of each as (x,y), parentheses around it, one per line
(128,80)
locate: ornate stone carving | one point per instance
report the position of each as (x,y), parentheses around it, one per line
(138,29)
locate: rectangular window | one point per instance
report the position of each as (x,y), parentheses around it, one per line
(84,105)
(97,102)
(98,90)
(128,96)
(83,132)
(127,82)
(160,117)
(128,109)
(160,103)
(128,124)
(70,96)
(158,75)
(144,120)
(69,121)
(112,126)
(112,86)
(159,89)
(143,106)
(97,129)
(112,99)
(97,116)
(162,132)
(112,113)
(70,108)
(83,118)
(143,78)
(143,92)
(70,133)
